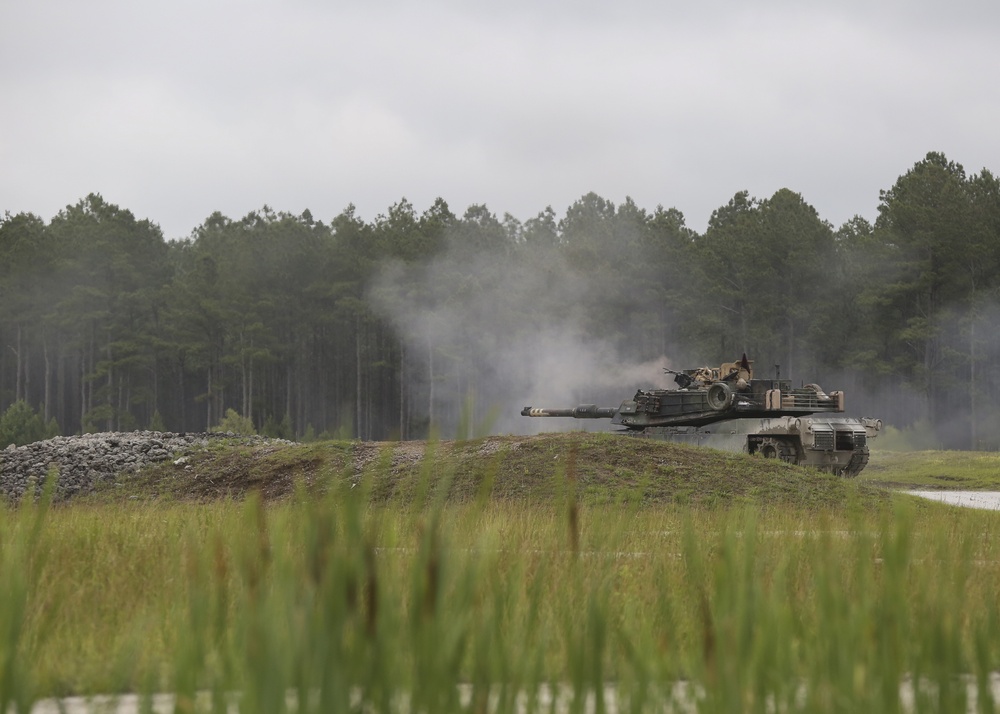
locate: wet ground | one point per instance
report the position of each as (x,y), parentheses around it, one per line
(989,500)
(559,699)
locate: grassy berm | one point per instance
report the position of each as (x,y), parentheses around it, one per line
(597,468)
(401,577)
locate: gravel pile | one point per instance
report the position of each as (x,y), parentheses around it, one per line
(83,461)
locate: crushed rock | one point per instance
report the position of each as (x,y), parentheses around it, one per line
(83,461)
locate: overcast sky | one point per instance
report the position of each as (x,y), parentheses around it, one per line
(175,109)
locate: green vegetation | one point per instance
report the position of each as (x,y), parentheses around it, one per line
(955,470)
(20,424)
(234,423)
(604,468)
(415,585)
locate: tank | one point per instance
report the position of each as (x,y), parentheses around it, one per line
(727,408)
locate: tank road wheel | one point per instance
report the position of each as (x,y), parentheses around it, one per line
(777,449)
(719,396)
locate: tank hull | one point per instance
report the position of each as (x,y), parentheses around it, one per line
(835,444)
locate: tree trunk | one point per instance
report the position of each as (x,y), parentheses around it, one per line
(109,385)
(83,387)
(243,378)
(357,398)
(402,393)
(18,383)
(208,400)
(60,396)
(156,384)
(249,396)
(124,399)
(184,425)
(973,387)
(289,387)
(90,368)
(430,382)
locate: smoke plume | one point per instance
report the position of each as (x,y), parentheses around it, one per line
(507,329)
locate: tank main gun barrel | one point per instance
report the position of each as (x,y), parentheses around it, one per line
(584,411)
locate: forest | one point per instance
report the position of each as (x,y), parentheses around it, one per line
(422,323)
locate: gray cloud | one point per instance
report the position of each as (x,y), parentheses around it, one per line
(175,110)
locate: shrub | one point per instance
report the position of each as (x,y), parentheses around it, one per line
(21,424)
(235,424)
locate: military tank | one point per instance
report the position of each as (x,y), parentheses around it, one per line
(728,408)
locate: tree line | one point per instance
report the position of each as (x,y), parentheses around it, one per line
(417,321)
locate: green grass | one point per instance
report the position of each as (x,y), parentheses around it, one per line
(383,590)
(955,470)
(606,468)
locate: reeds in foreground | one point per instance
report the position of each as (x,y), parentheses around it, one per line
(334,603)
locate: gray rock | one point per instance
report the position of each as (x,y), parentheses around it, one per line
(86,460)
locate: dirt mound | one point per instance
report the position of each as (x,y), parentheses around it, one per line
(595,468)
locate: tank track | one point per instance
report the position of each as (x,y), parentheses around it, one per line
(857,463)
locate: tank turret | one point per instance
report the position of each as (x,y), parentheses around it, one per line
(706,395)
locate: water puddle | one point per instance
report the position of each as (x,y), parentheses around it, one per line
(988,500)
